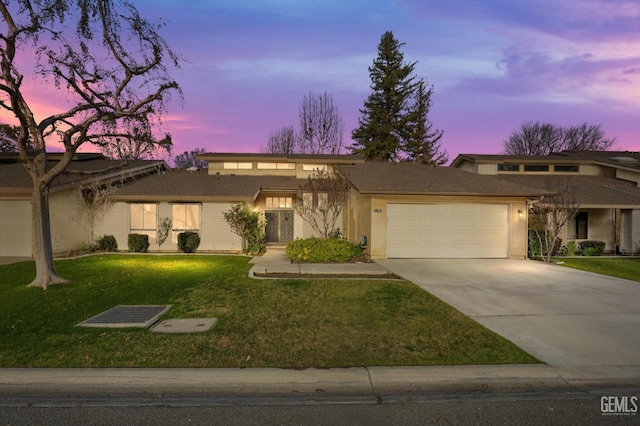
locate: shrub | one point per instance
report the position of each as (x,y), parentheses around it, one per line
(592,247)
(188,242)
(138,243)
(571,248)
(250,225)
(107,243)
(318,250)
(534,246)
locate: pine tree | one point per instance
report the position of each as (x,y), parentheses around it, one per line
(383,121)
(394,125)
(422,145)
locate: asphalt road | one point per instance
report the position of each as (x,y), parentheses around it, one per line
(559,408)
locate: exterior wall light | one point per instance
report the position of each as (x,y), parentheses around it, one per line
(520,214)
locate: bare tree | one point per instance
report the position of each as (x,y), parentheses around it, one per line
(96,201)
(283,141)
(535,138)
(134,142)
(586,137)
(549,216)
(8,137)
(319,201)
(188,159)
(321,125)
(108,62)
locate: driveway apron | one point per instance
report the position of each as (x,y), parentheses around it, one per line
(566,318)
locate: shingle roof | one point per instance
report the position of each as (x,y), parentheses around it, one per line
(200,186)
(618,159)
(588,190)
(413,178)
(15,179)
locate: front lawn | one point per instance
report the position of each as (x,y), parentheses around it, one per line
(261,323)
(627,268)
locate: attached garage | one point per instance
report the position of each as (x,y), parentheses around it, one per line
(447,230)
(15,228)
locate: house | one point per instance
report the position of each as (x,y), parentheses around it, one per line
(605,185)
(196,200)
(69,225)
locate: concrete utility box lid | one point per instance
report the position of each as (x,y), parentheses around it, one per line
(184,325)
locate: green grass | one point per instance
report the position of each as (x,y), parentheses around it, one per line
(627,268)
(261,323)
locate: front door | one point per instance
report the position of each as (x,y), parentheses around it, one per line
(279,225)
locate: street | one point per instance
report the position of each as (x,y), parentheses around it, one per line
(552,408)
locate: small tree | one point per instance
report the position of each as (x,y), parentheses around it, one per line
(248,224)
(550,215)
(96,201)
(164,227)
(320,201)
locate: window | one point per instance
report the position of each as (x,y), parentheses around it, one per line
(233,165)
(279,203)
(186,217)
(536,167)
(582,225)
(562,168)
(312,167)
(144,220)
(508,167)
(278,166)
(321,200)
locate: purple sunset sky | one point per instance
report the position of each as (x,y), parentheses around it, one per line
(494,64)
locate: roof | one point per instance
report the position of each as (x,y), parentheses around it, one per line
(588,191)
(617,159)
(15,180)
(200,186)
(420,179)
(284,158)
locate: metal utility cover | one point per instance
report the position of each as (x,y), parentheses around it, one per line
(123,316)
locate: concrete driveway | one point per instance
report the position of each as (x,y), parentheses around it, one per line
(567,318)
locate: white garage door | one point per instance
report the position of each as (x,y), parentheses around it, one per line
(447,230)
(15,228)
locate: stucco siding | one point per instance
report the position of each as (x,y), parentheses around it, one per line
(216,234)
(69,222)
(115,221)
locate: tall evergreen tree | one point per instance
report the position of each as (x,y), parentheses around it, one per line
(393,125)
(422,145)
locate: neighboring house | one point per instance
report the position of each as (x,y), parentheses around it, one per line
(605,184)
(70,227)
(195,200)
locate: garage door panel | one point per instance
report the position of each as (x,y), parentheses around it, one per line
(15,228)
(447,230)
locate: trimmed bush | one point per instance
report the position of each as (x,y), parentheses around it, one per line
(535,249)
(318,250)
(188,242)
(592,247)
(107,243)
(138,243)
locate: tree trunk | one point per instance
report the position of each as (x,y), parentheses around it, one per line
(46,273)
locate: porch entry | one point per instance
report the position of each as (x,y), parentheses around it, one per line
(279,225)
